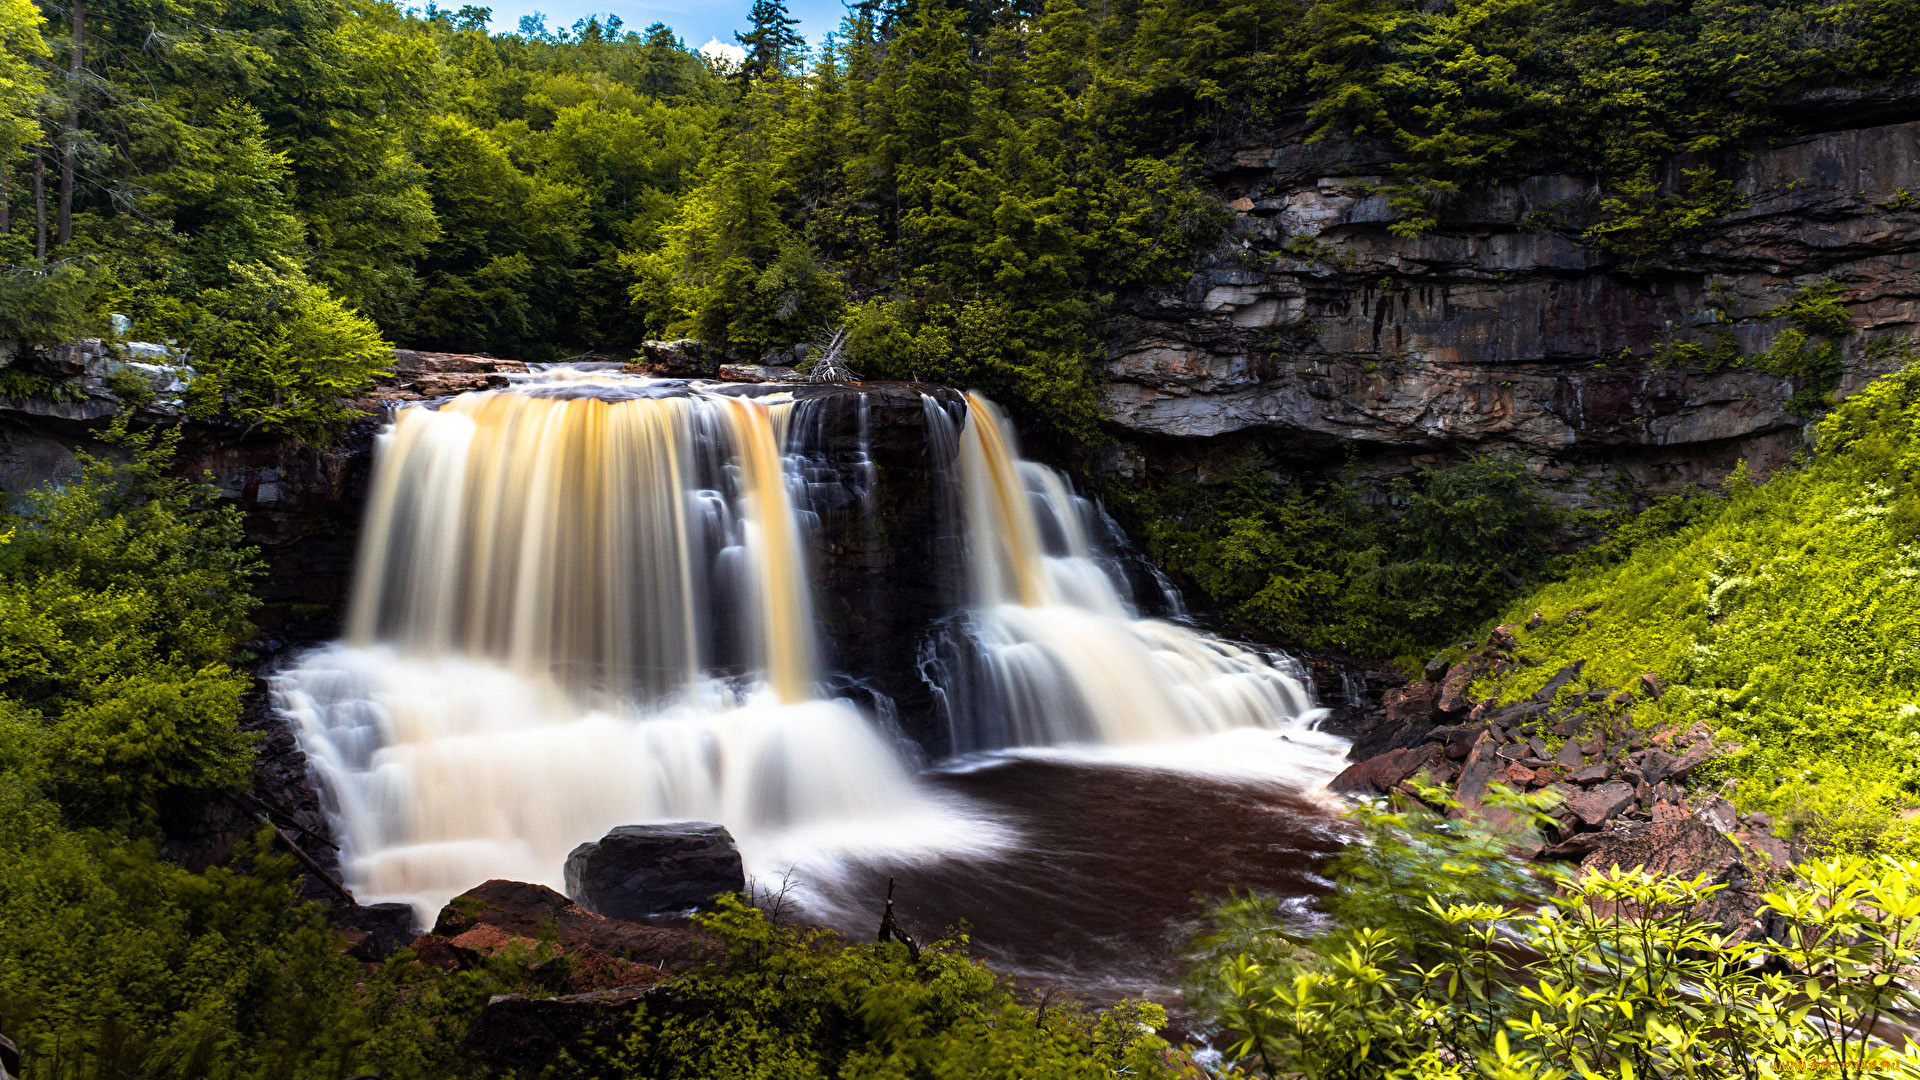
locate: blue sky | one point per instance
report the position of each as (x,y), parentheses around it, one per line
(695,21)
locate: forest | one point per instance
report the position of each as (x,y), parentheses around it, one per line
(964,188)
(967,192)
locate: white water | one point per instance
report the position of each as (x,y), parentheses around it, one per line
(1057,656)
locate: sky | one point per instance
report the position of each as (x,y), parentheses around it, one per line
(695,21)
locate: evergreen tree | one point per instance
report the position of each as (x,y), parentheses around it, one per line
(772,45)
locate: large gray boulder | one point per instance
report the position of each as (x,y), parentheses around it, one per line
(637,871)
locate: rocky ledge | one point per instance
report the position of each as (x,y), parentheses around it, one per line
(1314,330)
(1624,792)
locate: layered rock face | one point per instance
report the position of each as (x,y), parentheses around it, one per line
(1314,329)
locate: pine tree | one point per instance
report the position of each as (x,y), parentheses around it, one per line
(772,45)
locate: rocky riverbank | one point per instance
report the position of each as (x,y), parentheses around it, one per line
(1623,793)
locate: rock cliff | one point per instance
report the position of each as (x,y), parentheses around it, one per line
(1314,330)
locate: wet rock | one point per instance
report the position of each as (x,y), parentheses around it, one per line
(1382,773)
(637,871)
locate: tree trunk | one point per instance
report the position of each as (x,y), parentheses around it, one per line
(6,197)
(69,146)
(39,204)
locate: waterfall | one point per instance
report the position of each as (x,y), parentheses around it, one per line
(586,600)
(1050,649)
(580,603)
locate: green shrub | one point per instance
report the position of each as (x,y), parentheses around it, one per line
(276,352)
(1616,978)
(52,304)
(1333,569)
(807,1005)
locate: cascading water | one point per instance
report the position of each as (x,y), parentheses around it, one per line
(1052,651)
(581,603)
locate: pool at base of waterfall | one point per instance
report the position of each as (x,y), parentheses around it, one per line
(1110,861)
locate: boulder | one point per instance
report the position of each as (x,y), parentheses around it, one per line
(638,871)
(1405,718)
(686,358)
(414,362)
(1688,848)
(375,931)
(1453,698)
(601,951)
(9,1059)
(1383,772)
(1595,806)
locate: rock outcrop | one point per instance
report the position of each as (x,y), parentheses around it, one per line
(572,950)
(1621,792)
(1314,329)
(640,871)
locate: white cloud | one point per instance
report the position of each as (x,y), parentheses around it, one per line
(716,49)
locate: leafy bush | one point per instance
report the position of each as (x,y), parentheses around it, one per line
(276,352)
(52,304)
(1783,616)
(1616,978)
(122,599)
(807,1005)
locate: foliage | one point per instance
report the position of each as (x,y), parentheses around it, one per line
(1618,977)
(122,600)
(276,352)
(1335,569)
(22,82)
(1807,350)
(807,1005)
(1782,616)
(45,305)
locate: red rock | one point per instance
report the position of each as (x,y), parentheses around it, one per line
(1482,762)
(1410,703)
(1651,686)
(1575,847)
(1595,806)
(1688,848)
(488,918)
(1380,774)
(434,952)
(1453,692)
